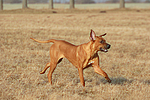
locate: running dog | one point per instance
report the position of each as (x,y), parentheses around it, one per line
(80,56)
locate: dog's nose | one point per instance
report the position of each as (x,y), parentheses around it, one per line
(108,46)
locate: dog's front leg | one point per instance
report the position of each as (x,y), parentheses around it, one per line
(80,69)
(97,69)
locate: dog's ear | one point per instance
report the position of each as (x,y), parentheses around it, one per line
(92,35)
(103,35)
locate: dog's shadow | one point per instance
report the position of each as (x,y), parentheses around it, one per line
(116,81)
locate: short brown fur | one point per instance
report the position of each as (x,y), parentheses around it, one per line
(80,56)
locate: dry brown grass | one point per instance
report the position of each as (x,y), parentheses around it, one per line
(127,62)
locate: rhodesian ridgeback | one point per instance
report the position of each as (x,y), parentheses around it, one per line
(80,56)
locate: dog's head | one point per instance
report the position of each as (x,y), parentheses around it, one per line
(99,43)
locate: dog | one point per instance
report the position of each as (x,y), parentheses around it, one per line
(80,56)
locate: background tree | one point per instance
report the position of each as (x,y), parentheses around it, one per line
(50,4)
(122,4)
(24,4)
(71,4)
(1,4)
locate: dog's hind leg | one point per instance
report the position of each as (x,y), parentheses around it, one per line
(52,68)
(45,68)
(48,65)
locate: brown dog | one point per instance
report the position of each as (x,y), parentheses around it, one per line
(80,56)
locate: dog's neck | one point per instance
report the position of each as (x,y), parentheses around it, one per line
(89,47)
(92,48)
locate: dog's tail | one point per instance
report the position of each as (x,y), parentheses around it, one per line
(52,40)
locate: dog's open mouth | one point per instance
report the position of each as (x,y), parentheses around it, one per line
(103,50)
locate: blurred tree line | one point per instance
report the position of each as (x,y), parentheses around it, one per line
(127,1)
(29,1)
(76,1)
(84,1)
(12,1)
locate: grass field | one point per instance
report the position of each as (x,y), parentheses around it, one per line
(127,62)
(79,6)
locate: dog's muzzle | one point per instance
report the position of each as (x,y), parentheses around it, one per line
(105,49)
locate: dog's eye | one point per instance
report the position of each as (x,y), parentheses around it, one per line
(102,41)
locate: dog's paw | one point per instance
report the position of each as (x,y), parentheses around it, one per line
(42,72)
(109,81)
